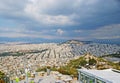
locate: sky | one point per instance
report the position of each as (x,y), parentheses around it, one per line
(59,20)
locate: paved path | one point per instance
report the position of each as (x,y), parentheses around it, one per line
(46,79)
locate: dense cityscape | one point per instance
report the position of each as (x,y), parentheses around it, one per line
(14,58)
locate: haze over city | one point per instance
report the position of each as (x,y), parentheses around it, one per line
(56,21)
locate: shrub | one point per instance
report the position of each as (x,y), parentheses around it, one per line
(1,74)
(92,61)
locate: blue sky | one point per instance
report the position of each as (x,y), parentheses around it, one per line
(59,20)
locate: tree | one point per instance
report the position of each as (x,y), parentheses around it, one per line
(92,61)
(1,74)
(83,62)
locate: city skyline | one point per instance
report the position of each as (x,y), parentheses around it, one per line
(54,21)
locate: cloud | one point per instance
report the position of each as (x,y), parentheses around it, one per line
(62,13)
(104,32)
(59,12)
(77,19)
(107,32)
(36,9)
(60,31)
(78,31)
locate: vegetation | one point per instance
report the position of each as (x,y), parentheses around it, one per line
(11,54)
(114,65)
(112,55)
(69,69)
(73,65)
(41,69)
(2,74)
(77,62)
(37,51)
(21,53)
(92,62)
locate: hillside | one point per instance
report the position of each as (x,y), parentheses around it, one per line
(87,61)
(14,57)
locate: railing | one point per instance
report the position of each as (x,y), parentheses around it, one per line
(83,75)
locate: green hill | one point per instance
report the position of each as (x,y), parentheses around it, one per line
(87,61)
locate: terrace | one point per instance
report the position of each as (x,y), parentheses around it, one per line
(99,76)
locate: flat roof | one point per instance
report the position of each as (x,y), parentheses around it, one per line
(107,74)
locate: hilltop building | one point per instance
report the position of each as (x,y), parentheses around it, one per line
(99,76)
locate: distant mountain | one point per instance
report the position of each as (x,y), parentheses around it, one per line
(73,42)
(77,42)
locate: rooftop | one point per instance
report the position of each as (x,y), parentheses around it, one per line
(107,74)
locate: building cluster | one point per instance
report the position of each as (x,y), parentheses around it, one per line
(47,54)
(99,76)
(33,56)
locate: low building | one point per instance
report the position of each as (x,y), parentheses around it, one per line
(99,76)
